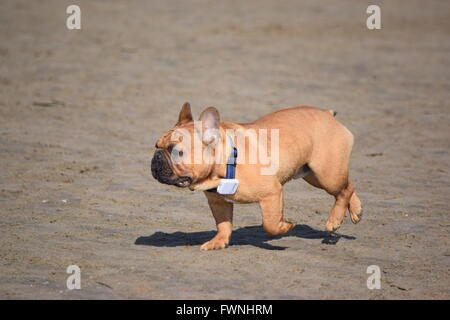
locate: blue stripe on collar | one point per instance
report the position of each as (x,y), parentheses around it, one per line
(231,164)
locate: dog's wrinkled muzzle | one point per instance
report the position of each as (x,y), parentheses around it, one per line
(162,171)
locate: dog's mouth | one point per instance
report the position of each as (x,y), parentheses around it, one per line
(183,182)
(180,182)
(162,172)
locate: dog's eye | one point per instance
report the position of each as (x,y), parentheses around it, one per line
(175,152)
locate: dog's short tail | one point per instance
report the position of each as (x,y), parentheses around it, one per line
(333,113)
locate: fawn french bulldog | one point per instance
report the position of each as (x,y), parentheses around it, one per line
(242,163)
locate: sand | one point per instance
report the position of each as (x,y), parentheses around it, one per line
(80,112)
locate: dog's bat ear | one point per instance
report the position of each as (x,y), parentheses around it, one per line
(185,115)
(210,119)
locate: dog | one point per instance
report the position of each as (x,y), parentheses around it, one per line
(307,143)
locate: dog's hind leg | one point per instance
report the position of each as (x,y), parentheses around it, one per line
(343,193)
(339,209)
(330,172)
(355,209)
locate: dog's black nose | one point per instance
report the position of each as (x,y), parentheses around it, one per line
(160,167)
(158,156)
(156,163)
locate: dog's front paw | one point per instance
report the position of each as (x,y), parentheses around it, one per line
(214,244)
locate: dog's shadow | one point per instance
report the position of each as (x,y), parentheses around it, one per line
(253,235)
